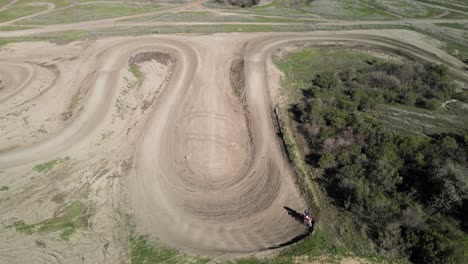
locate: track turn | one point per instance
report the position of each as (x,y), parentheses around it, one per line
(210,173)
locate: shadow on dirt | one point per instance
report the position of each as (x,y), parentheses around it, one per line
(299,218)
(296,215)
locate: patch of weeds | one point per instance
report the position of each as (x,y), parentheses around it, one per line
(313,246)
(13,28)
(453,25)
(237,76)
(19,11)
(121,109)
(458,50)
(135,70)
(144,250)
(47,166)
(72,218)
(4,188)
(445,4)
(91,11)
(22,227)
(407,119)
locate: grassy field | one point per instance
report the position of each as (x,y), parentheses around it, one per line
(89,12)
(211,17)
(348,9)
(19,11)
(4,2)
(72,35)
(408,119)
(453,25)
(454,15)
(64,3)
(341,9)
(407,9)
(447,4)
(12,28)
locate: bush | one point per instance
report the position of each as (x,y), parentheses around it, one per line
(432,104)
(242,3)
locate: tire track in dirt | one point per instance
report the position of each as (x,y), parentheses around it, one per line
(14,77)
(210,174)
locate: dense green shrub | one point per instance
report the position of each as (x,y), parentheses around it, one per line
(409,191)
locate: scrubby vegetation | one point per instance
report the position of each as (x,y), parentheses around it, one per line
(408,191)
(47,166)
(241,3)
(71,218)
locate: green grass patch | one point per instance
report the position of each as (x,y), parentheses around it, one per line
(313,246)
(89,12)
(317,246)
(445,4)
(67,222)
(406,8)
(457,47)
(458,50)
(135,71)
(299,66)
(349,9)
(410,119)
(15,12)
(343,9)
(73,35)
(453,25)
(22,227)
(276,8)
(4,2)
(455,15)
(206,16)
(144,250)
(13,28)
(71,219)
(47,166)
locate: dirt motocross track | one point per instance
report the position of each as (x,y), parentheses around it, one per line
(207,170)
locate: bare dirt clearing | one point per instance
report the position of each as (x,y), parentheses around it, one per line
(204,169)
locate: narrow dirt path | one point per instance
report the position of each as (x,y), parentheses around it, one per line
(50,8)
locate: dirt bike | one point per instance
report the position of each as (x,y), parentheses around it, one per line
(302,218)
(308,220)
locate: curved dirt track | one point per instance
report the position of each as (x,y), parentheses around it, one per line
(209,173)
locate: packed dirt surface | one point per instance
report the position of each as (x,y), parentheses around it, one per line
(153,125)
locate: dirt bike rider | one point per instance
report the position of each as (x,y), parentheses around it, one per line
(308,217)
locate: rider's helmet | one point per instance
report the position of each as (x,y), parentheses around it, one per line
(307,212)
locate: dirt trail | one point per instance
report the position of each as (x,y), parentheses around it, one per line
(209,174)
(109,23)
(8,5)
(50,8)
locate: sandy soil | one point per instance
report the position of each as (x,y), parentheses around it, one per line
(195,165)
